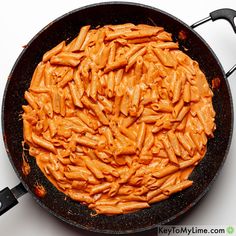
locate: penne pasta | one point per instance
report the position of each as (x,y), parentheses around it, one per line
(162,107)
(187,92)
(142,33)
(43,143)
(178,187)
(141,136)
(174,142)
(54,51)
(75,95)
(100,188)
(170,151)
(166,171)
(67,59)
(75,176)
(133,58)
(132,198)
(139,68)
(182,113)
(76,46)
(118,118)
(81,197)
(106,169)
(177,90)
(178,107)
(124,105)
(30,99)
(79,83)
(187,146)
(91,166)
(38,75)
(190,162)
(135,101)
(165,58)
(67,78)
(94,85)
(110,84)
(133,206)
(158,198)
(86,142)
(109,210)
(118,64)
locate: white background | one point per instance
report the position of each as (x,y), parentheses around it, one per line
(21,20)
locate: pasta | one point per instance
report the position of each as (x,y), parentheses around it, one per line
(118,118)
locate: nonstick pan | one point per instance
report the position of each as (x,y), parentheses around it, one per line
(67,27)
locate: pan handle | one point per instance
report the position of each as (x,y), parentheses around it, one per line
(8,197)
(226,14)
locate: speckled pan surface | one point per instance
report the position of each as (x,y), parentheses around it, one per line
(67,27)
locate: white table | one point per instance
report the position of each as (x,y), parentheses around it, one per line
(21,20)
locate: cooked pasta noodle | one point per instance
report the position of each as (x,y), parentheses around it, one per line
(117,118)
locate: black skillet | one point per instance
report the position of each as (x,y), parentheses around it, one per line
(67,27)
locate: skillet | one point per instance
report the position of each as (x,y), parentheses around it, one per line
(67,27)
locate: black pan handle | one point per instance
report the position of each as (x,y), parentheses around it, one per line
(226,14)
(8,197)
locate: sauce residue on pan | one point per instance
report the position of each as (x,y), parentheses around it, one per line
(182,35)
(25,46)
(25,164)
(39,190)
(215,83)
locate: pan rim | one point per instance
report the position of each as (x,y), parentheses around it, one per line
(141,229)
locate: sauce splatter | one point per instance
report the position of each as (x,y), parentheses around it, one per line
(39,190)
(182,35)
(25,164)
(215,83)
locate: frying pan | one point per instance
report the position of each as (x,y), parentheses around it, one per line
(67,27)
